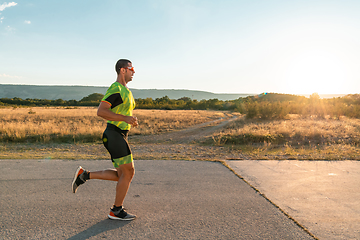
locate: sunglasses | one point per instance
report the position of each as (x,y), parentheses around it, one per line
(131,69)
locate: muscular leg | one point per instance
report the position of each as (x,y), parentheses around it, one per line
(126,173)
(109,174)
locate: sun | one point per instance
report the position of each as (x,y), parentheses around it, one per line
(314,71)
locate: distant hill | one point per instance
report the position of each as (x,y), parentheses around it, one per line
(78,92)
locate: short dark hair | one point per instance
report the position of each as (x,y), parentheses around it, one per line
(122,63)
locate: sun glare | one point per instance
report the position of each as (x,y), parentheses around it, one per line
(314,71)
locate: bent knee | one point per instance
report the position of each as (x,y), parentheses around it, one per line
(131,172)
(127,171)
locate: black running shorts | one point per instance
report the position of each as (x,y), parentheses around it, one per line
(115,141)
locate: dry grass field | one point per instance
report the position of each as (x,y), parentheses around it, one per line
(75,133)
(294,138)
(81,124)
(295,131)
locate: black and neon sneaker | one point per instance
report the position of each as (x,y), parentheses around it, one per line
(119,213)
(79,178)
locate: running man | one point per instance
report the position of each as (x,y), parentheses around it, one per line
(116,107)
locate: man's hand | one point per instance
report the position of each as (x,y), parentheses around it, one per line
(132,121)
(104,112)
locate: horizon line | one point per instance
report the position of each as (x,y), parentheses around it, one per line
(161,89)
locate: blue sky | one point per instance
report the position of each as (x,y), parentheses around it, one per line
(252,46)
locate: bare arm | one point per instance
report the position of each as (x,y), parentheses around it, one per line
(104,112)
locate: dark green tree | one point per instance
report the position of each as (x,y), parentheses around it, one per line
(96,97)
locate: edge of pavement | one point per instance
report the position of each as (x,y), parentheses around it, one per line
(267,199)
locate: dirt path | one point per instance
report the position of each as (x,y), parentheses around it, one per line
(189,135)
(183,144)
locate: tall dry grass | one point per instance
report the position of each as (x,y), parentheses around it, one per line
(43,124)
(294,131)
(81,124)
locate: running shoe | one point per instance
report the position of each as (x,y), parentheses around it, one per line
(78,178)
(120,214)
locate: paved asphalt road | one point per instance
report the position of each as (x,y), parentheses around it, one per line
(323,196)
(172,199)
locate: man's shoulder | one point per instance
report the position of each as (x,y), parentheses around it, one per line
(115,87)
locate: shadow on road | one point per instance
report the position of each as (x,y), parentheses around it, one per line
(101,227)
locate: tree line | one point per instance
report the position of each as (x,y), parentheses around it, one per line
(90,100)
(263,106)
